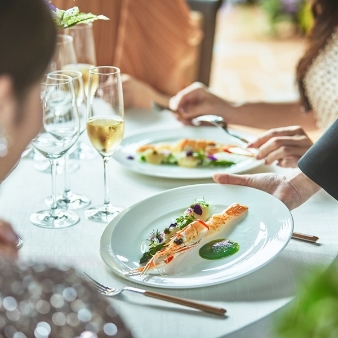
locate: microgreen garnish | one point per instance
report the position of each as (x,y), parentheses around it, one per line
(185,220)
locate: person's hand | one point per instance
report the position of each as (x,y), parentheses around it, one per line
(8,240)
(196,100)
(139,94)
(285,145)
(292,190)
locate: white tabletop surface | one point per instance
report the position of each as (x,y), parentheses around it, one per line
(251,301)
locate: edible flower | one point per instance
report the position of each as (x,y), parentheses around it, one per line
(197,209)
(156,237)
(72,16)
(212,158)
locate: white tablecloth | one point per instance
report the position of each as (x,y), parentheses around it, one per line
(250,300)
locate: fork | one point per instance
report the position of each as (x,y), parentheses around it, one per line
(110,292)
(218,122)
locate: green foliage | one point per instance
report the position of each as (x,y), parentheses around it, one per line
(315,314)
(73,16)
(296,12)
(305,17)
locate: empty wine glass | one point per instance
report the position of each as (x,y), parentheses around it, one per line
(105,127)
(70,200)
(61,128)
(64,54)
(84,47)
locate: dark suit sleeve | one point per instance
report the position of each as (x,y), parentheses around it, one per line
(320,162)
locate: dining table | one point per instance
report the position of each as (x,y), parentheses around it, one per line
(254,301)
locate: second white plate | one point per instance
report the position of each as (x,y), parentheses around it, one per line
(131,143)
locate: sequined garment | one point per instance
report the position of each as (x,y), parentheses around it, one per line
(321,83)
(43,301)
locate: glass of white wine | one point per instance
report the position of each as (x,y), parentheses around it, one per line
(83,41)
(60,131)
(105,128)
(84,47)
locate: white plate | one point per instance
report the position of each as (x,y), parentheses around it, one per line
(131,143)
(262,235)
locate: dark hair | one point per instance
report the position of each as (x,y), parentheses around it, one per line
(325,13)
(27,40)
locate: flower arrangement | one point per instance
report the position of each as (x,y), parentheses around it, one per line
(72,16)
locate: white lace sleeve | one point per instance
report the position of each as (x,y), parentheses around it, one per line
(321,83)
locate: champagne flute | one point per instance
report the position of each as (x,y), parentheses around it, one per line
(61,128)
(70,200)
(84,46)
(83,41)
(105,127)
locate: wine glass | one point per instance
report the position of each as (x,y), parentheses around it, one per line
(105,127)
(64,54)
(84,47)
(61,128)
(83,42)
(70,200)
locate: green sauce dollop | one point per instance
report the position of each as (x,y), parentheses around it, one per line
(218,248)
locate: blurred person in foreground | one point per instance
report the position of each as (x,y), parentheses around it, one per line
(36,299)
(315,74)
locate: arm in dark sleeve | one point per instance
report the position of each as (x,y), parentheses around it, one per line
(320,162)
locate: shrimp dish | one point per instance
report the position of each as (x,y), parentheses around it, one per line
(158,239)
(190,236)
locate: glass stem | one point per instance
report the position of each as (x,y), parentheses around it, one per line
(106,188)
(53,170)
(66,173)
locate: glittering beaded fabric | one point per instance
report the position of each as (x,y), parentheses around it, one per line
(321,83)
(47,302)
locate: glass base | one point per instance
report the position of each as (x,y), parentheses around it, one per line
(102,213)
(69,201)
(83,152)
(55,219)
